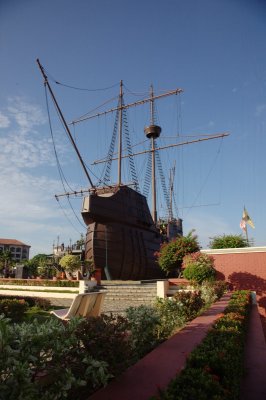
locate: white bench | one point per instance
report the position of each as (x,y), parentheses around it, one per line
(84,305)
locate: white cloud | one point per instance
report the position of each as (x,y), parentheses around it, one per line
(24,146)
(25,194)
(22,150)
(4,121)
(26,115)
(28,209)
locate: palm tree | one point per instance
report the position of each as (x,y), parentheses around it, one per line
(6,261)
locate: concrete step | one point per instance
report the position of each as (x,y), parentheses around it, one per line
(120,296)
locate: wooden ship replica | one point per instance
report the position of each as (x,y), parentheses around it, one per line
(122,233)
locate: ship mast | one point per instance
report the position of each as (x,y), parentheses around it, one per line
(153,132)
(120,134)
(171,184)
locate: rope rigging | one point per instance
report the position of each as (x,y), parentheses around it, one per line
(107,170)
(108,165)
(132,166)
(147,178)
(206,180)
(63,179)
(78,88)
(60,171)
(87,114)
(162,178)
(65,214)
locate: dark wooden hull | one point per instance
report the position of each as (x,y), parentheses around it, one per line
(121,236)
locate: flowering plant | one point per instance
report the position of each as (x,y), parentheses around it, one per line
(198,267)
(171,254)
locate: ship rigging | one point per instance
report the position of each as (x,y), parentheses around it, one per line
(122,233)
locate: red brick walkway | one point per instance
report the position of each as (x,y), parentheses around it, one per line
(142,380)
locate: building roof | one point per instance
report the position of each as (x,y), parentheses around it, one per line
(14,242)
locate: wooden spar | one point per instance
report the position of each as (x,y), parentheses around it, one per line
(125,106)
(76,193)
(64,123)
(166,147)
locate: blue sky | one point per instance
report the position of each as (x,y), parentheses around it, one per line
(214,50)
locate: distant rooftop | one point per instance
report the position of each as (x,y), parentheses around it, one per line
(13,242)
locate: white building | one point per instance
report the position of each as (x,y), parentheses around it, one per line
(20,251)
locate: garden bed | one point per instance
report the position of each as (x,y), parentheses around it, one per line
(215,368)
(154,371)
(93,350)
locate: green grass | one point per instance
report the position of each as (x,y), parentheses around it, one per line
(36,313)
(41,315)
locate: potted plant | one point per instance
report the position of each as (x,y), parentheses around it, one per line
(71,264)
(94,273)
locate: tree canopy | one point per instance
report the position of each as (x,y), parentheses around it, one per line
(6,260)
(228,241)
(70,262)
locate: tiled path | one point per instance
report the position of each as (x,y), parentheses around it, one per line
(155,370)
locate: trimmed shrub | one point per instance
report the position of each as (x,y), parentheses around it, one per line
(212,291)
(39,282)
(106,339)
(40,302)
(143,326)
(199,267)
(190,303)
(13,309)
(170,316)
(174,312)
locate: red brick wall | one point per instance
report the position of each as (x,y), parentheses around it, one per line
(244,269)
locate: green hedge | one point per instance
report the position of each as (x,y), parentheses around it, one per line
(55,361)
(39,282)
(40,302)
(214,369)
